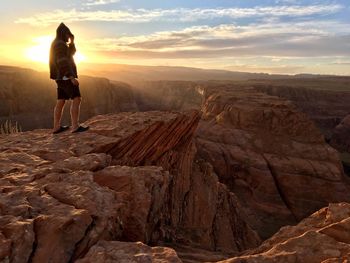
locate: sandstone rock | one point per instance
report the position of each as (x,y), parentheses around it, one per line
(67,202)
(12,161)
(110,196)
(325,106)
(199,210)
(270,156)
(113,251)
(322,237)
(142,190)
(88,162)
(166,132)
(207,215)
(341,135)
(190,254)
(17,236)
(66,212)
(256,164)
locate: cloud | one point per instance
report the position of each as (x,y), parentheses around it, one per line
(294,39)
(100,2)
(291,2)
(341,62)
(177,14)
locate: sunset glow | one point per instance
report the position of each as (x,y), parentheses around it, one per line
(40,51)
(271,36)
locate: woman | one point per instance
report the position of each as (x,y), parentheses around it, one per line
(64,71)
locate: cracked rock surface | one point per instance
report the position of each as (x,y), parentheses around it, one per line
(132,177)
(139,186)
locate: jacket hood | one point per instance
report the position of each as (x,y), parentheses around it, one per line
(62,31)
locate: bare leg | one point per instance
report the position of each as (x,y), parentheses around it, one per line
(75,112)
(58,114)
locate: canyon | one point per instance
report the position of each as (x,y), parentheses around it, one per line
(28,97)
(174,171)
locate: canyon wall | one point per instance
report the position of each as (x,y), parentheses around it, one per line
(325,107)
(211,183)
(321,238)
(29,97)
(341,135)
(270,155)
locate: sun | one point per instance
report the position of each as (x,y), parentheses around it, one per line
(40,52)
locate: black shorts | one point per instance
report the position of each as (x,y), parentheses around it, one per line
(66,90)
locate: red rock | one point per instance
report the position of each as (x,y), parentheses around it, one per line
(20,238)
(142,177)
(5,248)
(113,251)
(321,100)
(341,135)
(194,201)
(68,210)
(211,217)
(142,190)
(270,155)
(322,237)
(88,162)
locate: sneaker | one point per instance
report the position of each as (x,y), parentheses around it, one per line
(81,129)
(61,129)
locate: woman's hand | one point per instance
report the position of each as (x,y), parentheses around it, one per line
(71,37)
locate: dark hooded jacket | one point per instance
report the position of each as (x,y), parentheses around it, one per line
(61,55)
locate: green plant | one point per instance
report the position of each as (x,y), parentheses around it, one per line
(10,127)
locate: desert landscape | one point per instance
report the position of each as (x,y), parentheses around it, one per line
(177,171)
(175,131)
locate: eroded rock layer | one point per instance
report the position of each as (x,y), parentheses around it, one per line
(322,237)
(209,185)
(341,136)
(131,177)
(114,251)
(325,101)
(270,155)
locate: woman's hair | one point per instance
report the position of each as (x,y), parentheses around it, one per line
(63,32)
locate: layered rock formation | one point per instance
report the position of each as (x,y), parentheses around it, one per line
(129,178)
(341,141)
(270,155)
(321,100)
(341,135)
(211,186)
(114,251)
(322,237)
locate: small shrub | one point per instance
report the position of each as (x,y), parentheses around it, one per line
(10,127)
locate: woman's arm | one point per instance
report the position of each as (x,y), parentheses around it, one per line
(72,49)
(62,60)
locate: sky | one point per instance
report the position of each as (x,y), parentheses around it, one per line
(272,36)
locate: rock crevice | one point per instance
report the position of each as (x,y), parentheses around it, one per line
(211,185)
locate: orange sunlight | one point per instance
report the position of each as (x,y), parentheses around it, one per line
(40,51)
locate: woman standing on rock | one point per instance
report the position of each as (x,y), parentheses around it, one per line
(64,71)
